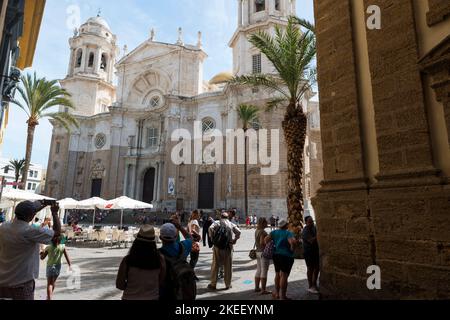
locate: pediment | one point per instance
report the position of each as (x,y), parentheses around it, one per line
(148,50)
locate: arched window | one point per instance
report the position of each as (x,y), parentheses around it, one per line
(260,5)
(104,62)
(208,124)
(91,60)
(79,58)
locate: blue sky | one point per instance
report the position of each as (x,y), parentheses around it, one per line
(131,21)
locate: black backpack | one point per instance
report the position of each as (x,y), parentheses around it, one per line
(180,281)
(221,238)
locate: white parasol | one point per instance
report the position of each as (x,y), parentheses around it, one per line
(17,195)
(93,204)
(125,203)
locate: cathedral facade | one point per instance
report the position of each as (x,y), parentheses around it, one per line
(123,145)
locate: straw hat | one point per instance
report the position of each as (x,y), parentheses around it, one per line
(283,223)
(146,234)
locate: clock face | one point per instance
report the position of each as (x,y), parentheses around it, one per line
(100,140)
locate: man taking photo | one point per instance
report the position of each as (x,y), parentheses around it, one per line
(19,250)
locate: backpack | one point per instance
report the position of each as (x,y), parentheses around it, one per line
(269,250)
(180,278)
(221,238)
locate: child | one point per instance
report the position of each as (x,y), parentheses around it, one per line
(54,252)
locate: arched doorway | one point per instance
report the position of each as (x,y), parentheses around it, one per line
(149,186)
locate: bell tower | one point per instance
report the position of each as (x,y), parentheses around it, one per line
(93,53)
(255,15)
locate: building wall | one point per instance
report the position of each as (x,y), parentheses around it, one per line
(171,72)
(384,199)
(34,180)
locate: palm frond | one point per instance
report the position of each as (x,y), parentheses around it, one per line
(275,103)
(292,52)
(248,114)
(39,95)
(263,80)
(305,24)
(65,119)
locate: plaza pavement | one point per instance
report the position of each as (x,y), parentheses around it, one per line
(99,267)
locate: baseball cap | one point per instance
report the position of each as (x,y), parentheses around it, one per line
(28,209)
(168,232)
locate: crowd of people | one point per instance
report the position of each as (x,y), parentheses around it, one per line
(149,273)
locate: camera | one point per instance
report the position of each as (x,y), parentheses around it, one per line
(47,203)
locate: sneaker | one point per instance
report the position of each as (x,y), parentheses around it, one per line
(313,291)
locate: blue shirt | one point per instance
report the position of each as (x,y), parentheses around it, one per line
(281,240)
(173,249)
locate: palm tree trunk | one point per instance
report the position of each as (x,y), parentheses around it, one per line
(246,178)
(17,180)
(294,126)
(30,139)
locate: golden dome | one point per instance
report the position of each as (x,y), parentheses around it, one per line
(221,78)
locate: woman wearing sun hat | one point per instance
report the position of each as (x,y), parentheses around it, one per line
(143,269)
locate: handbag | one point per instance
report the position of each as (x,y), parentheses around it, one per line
(269,250)
(252,254)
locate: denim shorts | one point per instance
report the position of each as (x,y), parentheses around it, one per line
(53,271)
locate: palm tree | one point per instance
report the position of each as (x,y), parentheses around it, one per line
(38,99)
(17,166)
(292,52)
(248,115)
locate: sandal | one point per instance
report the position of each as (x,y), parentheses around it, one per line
(265,292)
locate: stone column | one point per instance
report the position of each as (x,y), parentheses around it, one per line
(399,103)
(110,68)
(125,180)
(340,114)
(133,181)
(155,182)
(84,58)
(270,7)
(72,62)
(161,193)
(97,59)
(246,13)
(239,13)
(158,182)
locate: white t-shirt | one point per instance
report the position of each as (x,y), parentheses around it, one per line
(193,225)
(19,252)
